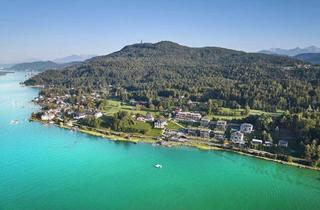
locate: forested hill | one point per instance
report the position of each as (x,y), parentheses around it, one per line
(40,66)
(233,77)
(313,58)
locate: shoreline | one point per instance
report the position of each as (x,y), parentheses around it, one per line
(136,140)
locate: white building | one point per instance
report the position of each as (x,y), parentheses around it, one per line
(221,125)
(80,116)
(160,124)
(246,128)
(219,137)
(47,116)
(205,133)
(188,116)
(268,144)
(205,122)
(256,142)
(98,114)
(141,119)
(237,137)
(149,117)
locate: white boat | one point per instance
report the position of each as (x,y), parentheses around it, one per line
(14,122)
(158,166)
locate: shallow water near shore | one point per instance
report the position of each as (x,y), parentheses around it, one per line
(45,167)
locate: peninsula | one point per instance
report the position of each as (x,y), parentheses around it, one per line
(211,98)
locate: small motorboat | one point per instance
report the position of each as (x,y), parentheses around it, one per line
(158,166)
(14,122)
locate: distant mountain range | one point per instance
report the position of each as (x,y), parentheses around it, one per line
(41,66)
(291,52)
(56,64)
(38,65)
(73,58)
(313,58)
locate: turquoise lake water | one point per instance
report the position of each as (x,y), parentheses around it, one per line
(50,168)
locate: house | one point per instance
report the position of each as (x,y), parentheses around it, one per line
(47,116)
(141,119)
(149,117)
(178,139)
(80,116)
(256,142)
(188,116)
(205,122)
(192,132)
(160,123)
(221,125)
(283,143)
(268,144)
(205,133)
(237,137)
(246,128)
(219,137)
(98,115)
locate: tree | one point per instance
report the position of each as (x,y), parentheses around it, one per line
(103,103)
(318,153)
(91,122)
(269,137)
(307,152)
(247,110)
(138,107)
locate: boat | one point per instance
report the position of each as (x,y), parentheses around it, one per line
(158,166)
(14,122)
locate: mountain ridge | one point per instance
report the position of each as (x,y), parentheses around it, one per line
(291,52)
(74,58)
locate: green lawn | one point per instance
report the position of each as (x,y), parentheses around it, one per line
(154,132)
(235,114)
(173,125)
(116,106)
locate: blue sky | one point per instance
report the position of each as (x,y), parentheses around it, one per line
(34,29)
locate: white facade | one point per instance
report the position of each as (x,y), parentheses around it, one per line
(237,137)
(149,117)
(188,116)
(80,116)
(221,124)
(98,115)
(47,116)
(246,128)
(256,141)
(160,124)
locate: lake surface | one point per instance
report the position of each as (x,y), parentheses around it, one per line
(51,168)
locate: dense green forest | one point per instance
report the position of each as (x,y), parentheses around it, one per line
(309,57)
(169,70)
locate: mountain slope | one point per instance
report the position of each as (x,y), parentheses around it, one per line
(291,52)
(313,58)
(73,58)
(40,66)
(147,70)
